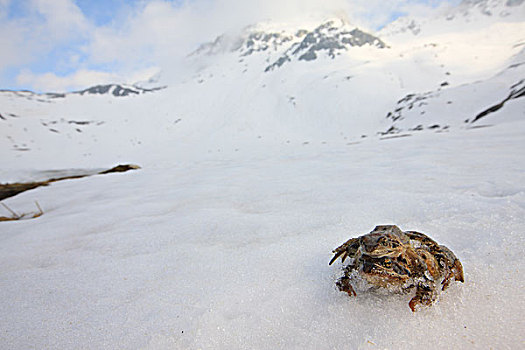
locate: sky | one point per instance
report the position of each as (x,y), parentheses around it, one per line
(64,45)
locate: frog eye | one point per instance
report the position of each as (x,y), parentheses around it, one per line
(387,263)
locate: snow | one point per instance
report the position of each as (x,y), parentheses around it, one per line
(248,181)
(234,253)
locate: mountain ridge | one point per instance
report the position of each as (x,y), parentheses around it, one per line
(114,89)
(268,88)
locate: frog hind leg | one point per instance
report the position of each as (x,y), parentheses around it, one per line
(424,296)
(344,286)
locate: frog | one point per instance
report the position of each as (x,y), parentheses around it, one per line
(398,261)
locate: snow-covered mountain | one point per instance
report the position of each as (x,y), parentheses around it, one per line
(117,90)
(468,15)
(467,103)
(278,83)
(276,145)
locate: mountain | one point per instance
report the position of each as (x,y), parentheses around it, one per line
(468,15)
(464,105)
(330,39)
(117,90)
(275,84)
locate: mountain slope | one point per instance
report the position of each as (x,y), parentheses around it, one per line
(465,105)
(280,84)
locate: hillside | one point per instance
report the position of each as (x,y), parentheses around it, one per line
(269,87)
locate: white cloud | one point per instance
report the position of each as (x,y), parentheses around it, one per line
(158,32)
(62,18)
(52,82)
(153,33)
(45,25)
(4,4)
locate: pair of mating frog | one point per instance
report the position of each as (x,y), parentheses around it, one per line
(390,258)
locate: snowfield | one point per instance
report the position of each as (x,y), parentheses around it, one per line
(249,179)
(233,253)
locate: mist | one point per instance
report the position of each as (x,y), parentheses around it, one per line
(151,36)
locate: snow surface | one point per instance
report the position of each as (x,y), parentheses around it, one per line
(234,253)
(249,180)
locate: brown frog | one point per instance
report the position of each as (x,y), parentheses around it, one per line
(400,261)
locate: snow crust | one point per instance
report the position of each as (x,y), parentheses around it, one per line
(234,253)
(250,179)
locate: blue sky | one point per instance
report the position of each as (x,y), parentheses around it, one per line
(60,45)
(102,12)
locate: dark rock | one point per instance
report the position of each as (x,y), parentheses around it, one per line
(118,90)
(515,92)
(120,169)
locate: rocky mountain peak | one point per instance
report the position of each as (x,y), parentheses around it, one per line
(117,90)
(330,39)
